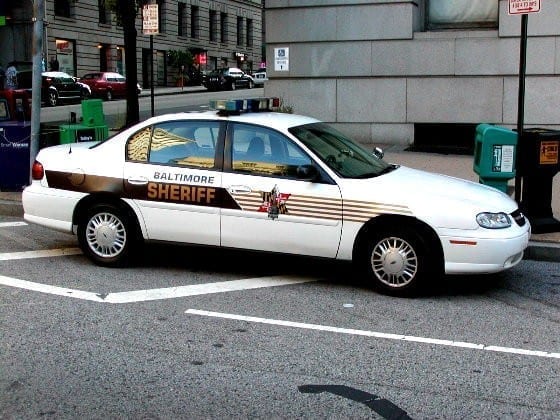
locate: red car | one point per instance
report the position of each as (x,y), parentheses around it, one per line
(106,85)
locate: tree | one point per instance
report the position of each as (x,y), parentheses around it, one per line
(126,12)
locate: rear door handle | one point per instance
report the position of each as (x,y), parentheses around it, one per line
(138,181)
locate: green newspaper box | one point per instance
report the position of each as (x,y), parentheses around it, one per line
(494,155)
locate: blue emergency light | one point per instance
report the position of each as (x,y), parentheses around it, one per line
(236,106)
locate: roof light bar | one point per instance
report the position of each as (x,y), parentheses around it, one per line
(229,106)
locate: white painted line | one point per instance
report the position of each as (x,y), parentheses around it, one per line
(156,294)
(410,338)
(203,289)
(12,224)
(9,256)
(52,290)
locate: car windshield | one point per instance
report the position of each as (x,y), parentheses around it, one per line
(341,154)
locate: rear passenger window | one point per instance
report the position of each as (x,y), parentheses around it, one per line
(184,143)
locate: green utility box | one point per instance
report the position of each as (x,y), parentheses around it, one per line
(74,133)
(92,112)
(92,128)
(494,155)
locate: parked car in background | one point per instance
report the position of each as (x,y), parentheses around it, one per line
(57,86)
(107,85)
(230,78)
(259,77)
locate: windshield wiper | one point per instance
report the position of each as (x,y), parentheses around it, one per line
(386,170)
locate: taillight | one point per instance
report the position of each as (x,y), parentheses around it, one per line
(37,171)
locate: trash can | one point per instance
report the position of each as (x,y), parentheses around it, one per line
(539,162)
(494,155)
(92,112)
(15,143)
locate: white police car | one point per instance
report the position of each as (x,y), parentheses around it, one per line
(245,177)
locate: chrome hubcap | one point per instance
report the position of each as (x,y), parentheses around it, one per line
(394,262)
(106,235)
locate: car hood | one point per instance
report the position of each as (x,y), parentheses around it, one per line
(444,200)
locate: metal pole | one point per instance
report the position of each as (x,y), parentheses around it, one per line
(521,102)
(152,72)
(39,17)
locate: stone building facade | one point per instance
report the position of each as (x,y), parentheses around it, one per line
(411,71)
(83,36)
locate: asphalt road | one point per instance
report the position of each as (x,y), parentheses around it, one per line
(115,111)
(203,333)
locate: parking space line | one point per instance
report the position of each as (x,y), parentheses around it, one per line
(410,338)
(52,290)
(12,224)
(157,294)
(9,256)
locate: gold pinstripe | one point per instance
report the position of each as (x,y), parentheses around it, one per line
(327,208)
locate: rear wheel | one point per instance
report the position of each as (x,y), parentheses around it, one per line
(107,235)
(233,87)
(396,261)
(109,95)
(52,98)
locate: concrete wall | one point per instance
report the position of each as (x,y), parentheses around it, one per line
(371,68)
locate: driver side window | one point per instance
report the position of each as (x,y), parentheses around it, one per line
(264,152)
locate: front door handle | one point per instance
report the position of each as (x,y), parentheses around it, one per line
(239,189)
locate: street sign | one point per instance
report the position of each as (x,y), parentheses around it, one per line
(281,59)
(519,7)
(150,19)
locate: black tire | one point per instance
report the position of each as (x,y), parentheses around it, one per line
(109,95)
(107,235)
(233,87)
(396,261)
(251,84)
(52,98)
(84,94)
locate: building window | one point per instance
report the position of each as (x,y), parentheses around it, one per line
(103,12)
(161,15)
(223,28)
(181,19)
(462,14)
(239,30)
(213,25)
(249,33)
(65,56)
(195,21)
(62,8)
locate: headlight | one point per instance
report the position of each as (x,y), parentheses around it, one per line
(493,220)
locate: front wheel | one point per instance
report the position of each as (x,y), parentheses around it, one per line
(396,261)
(107,236)
(233,87)
(109,95)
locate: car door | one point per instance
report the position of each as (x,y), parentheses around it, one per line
(173,176)
(274,209)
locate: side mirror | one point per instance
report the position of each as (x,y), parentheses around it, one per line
(307,172)
(378,152)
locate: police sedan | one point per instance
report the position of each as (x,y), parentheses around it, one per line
(243,176)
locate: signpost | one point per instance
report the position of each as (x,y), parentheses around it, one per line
(150,26)
(518,7)
(523,8)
